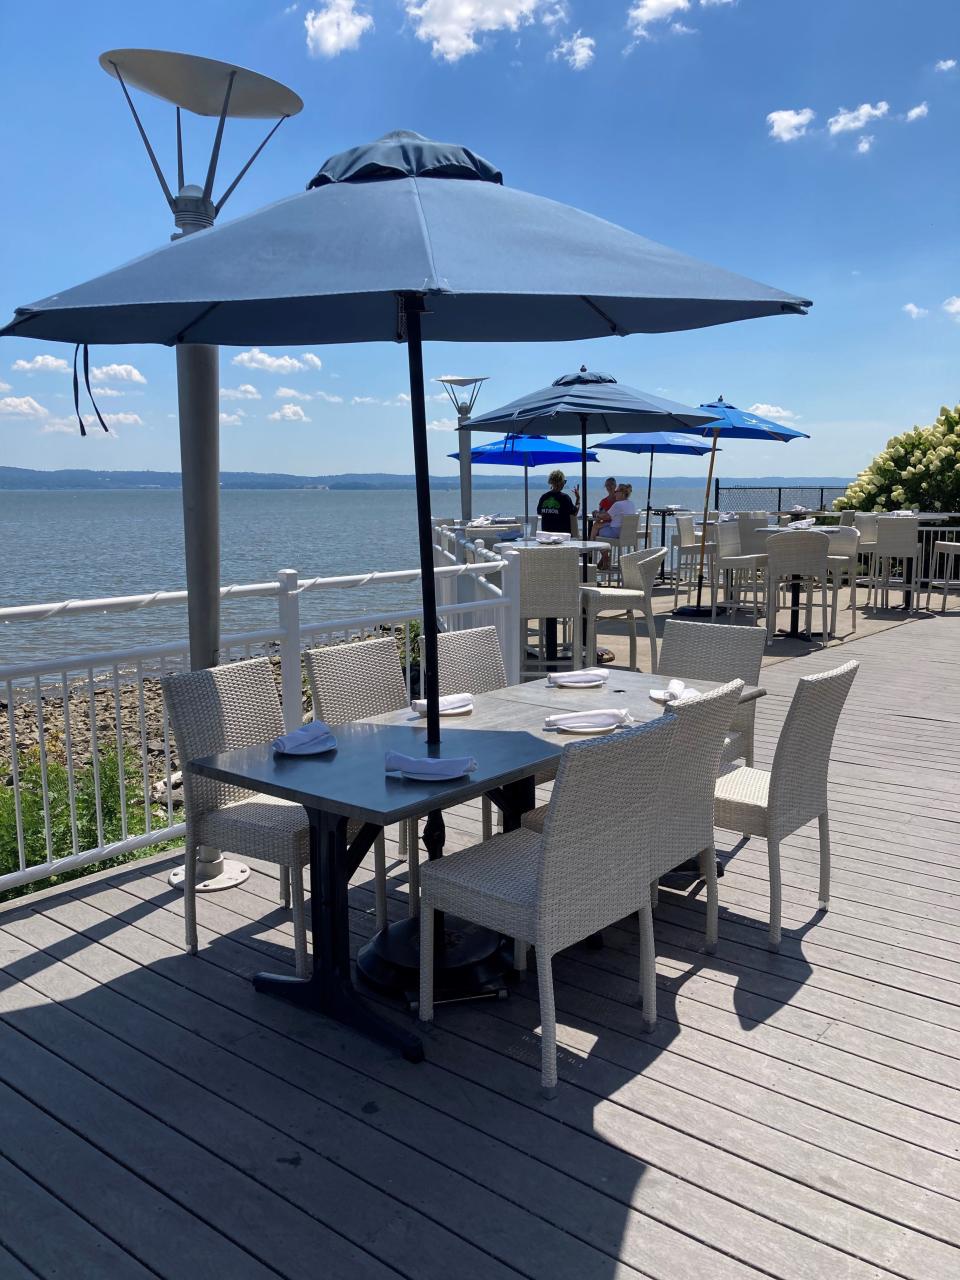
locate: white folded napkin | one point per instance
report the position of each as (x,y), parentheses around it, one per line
(310,740)
(429,770)
(552,537)
(676,691)
(449,702)
(609,718)
(570,679)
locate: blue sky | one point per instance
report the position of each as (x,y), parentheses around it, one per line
(810,144)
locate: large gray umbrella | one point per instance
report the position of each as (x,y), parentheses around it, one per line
(401,240)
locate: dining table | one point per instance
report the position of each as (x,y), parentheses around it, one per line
(506,735)
(793,632)
(586,548)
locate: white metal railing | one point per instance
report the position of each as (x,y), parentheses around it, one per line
(87,761)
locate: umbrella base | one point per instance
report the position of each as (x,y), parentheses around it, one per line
(686,875)
(695,612)
(468,966)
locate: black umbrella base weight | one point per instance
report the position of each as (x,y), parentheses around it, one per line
(468,966)
(696,612)
(686,875)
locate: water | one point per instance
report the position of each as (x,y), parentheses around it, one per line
(80,545)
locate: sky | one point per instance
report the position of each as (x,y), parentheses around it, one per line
(808,144)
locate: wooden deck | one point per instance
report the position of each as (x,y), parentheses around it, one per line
(795,1116)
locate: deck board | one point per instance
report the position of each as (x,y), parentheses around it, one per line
(792,1115)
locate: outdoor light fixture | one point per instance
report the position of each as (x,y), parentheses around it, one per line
(463,393)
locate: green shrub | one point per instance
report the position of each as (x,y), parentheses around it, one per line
(32,815)
(920,468)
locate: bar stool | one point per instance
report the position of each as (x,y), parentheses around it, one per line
(951,550)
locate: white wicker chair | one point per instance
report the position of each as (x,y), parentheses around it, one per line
(942,548)
(804,556)
(549,588)
(753,529)
(223,709)
(626,541)
(898,538)
(686,549)
(842,560)
(746,572)
(713,651)
(350,682)
(639,571)
(865,523)
(794,792)
(556,888)
(847,518)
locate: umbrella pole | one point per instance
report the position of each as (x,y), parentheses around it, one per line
(429,678)
(703,527)
(583,483)
(646,532)
(526,496)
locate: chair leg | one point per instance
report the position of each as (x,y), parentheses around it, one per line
(824,894)
(632,634)
(591,633)
(648,967)
(853,597)
(486,818)
(520,949)
(771,609)
(708,869)
(654,895)
(285,887)
(548,1024)
(413,873)
(837,579)
(748,746)
(190,897)
(425,1007)
(773,859)
(299,923)
(380,880)
(825,634)
(652,632)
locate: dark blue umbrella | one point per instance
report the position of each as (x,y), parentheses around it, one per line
(733,424)
(654,442)
(589,401)
(526,452)
(403,240)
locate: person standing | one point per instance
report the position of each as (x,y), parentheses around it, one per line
(556,508)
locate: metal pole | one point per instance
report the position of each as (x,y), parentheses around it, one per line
(703,529)
(198,369)
(526,496)
(466,465)
(429,676)
(583,482)
(646,534)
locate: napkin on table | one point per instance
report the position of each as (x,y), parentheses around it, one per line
(449,702)
(429,770)
(586,675)
(676,691)
(608,718)
(308,740)
(552,537)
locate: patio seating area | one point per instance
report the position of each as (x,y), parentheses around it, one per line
(791,1114)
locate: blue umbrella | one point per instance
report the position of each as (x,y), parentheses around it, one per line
(402,240)
(589,401)
(526,452)
(654,442)
(733,424)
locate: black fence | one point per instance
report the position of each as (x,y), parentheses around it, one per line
(739,497)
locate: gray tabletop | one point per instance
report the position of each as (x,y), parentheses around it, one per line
(531,544)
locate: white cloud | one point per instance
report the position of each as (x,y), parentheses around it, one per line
(335,26)
(110,393)
(577,52)
(257,359)
(121,419)
(27,407)
(244,392)
(786,126)
(310,360)
(918,113)
(41,364)
(61,426)
(451,27)
(116,373)
(289,413)
(951,306)
(556,14)
(366,400)
(849,121)
(231,419)
(864,143)
(708,3)
(681,29)
(775,412)
(946,64)
(325,395)
(4,386)
(442,424)
(288,393)
(644,12)
(913,311)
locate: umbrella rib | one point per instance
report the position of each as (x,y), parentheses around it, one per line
(614,327)
(428,243)
(178,337)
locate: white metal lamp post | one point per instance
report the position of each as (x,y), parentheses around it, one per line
(463,394)
(203,87)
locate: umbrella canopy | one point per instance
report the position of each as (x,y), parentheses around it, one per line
(654,442)
(526,452)
(590,401)
(403,240)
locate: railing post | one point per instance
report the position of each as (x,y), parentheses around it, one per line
(779,501)
(291,679)
(509,627)
(716,493)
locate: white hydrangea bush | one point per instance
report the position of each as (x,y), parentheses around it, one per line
(919,469)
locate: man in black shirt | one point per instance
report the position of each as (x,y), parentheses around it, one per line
(555,507)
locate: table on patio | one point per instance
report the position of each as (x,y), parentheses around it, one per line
(586,547)
(351,783)
(794,632)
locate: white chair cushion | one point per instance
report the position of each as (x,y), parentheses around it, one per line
(734,747)
(741,801)
(262,827)
(493,884)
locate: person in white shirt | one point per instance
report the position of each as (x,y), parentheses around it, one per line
(608,522)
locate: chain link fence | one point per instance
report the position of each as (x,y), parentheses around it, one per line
(776,498)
